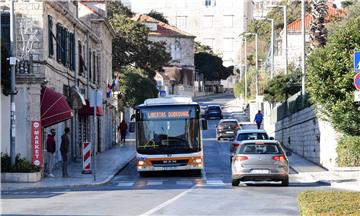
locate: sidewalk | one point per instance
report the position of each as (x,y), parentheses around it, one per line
(340,178)
(108,163)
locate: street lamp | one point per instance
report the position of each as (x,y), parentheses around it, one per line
(303,47)
(272,43)
(285,31)
(256,61)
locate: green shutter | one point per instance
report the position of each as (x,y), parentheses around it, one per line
(58,44)
(51,44)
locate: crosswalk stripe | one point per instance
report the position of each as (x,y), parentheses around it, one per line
(184,182)
(154,183)
(214,183)
(125,184)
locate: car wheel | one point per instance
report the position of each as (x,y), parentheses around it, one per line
(285,182)
(235,182)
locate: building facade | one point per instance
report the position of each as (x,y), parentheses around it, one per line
(179,75)
(217,24)
(63,48)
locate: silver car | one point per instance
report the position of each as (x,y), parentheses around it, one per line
(260,160)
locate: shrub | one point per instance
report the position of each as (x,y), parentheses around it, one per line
(21,164)
(348,151)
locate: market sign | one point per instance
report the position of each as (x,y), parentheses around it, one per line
(36,140)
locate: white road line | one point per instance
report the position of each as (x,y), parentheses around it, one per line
(154,183)
(184,182)
(125,184)
(164,204)
(214,183)
(209,139)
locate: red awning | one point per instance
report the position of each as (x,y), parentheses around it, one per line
(88,111)
(54,107)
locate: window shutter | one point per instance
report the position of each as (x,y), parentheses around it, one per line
(89,65)
(72,47)
(51,44)
(58,38)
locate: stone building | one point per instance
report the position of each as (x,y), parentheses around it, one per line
(178,77)
(295,38)
(216,23)
(64,50)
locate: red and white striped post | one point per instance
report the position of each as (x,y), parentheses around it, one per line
(86,146)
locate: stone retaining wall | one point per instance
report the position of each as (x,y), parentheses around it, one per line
(307,135)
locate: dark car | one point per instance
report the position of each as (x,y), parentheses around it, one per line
(213,111)
(227,128)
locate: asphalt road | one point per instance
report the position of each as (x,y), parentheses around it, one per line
(174,193)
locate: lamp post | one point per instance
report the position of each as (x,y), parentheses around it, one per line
(303,47)
(272,43)
(245,70)
(256,61)
(285,32)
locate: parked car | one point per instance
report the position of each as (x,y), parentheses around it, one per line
(260,160)
(247,134)
(213,111)
(227,128)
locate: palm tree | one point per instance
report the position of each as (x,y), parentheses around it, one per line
(318,32)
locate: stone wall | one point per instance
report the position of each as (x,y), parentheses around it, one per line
(308,135)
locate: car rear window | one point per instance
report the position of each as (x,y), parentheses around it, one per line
(214,108)
(252,136)
(229,123)
(266,148)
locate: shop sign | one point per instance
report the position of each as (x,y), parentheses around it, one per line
(36,140)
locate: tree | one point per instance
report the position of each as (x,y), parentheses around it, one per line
(158,16)
(330,77)
(203,48)
(131,45)
(135,87)
(212,66)
(281,87)
(5,69)
(318,31)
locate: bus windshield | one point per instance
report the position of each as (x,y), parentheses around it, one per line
(168,132)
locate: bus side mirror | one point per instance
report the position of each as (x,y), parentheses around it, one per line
(204,125)
(132,127)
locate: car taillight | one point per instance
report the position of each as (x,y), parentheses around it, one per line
(279,158)
(235,145)
(241,158)
(221,127)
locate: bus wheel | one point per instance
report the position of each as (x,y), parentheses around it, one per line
(235,182)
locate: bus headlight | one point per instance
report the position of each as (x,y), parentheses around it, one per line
(140,163)
(197,161)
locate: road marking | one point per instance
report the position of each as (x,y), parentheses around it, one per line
(164,204)
(209,139)
(125,184)
(184,182)
(214,183)
(154,183)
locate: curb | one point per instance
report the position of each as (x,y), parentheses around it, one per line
(104,182)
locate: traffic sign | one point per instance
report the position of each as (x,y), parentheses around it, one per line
(357,81)
(357,96)
(162,93)
(357,61)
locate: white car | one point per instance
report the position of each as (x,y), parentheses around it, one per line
(248,134)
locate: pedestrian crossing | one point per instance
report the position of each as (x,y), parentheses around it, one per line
(150,183)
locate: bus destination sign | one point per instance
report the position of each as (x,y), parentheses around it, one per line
(169,114)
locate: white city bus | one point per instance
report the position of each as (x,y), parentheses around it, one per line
(168,135)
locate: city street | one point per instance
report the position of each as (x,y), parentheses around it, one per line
(168,193)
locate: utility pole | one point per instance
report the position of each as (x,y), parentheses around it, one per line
(286,39)
(303,47)
(256,65)
(272,48)
(13,82)
(245,71)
